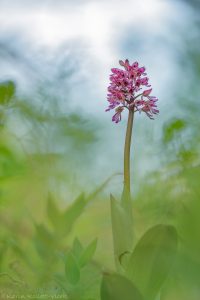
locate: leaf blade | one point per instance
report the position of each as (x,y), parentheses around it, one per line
(72,270)
(122,230)
(118,287)
(152,259)
(88,253)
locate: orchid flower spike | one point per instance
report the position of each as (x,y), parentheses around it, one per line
(129,88)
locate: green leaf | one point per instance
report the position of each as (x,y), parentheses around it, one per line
(43,233)
(53,213)
(118,287)
(100,188)
(88,253)
(77,248)
(122,230)
(152,259)
(175,126)
(7,91)
(45,241)
(73,212)
(72,271)
(9,163)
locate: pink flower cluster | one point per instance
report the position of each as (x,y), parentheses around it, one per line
(123,91)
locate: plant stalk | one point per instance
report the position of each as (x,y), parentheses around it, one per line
(126,196)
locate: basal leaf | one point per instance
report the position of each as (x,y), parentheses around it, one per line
(122,230)
(152,259)
(118,287)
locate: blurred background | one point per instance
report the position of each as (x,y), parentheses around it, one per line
(56,139)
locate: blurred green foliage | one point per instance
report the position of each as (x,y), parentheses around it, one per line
(7,92)
(40,247)
(50,228)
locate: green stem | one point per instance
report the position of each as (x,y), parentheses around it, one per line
(126,197)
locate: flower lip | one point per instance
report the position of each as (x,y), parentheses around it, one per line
(117,116)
